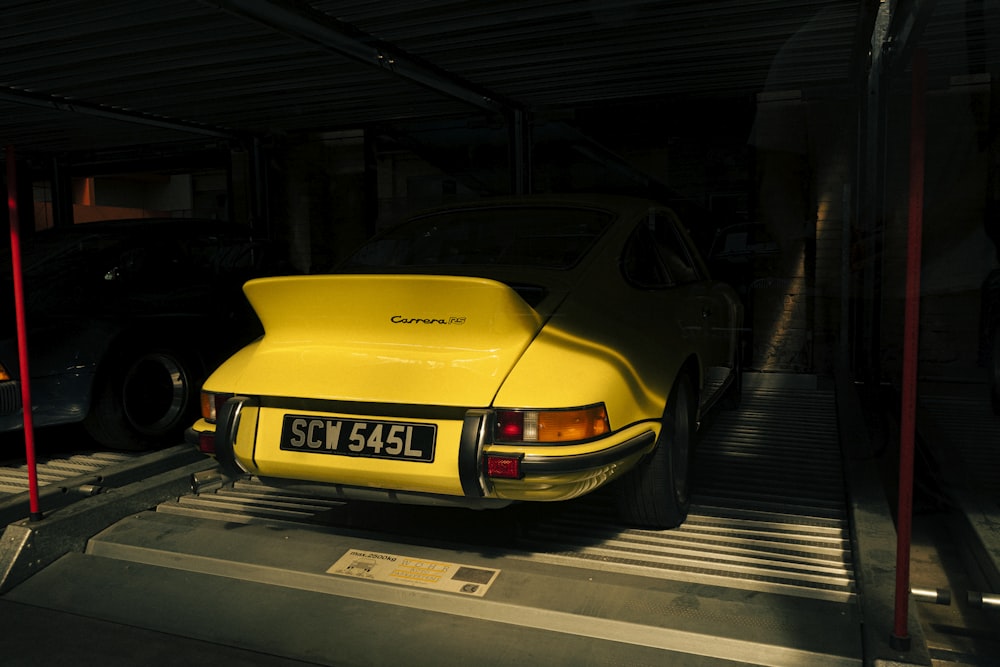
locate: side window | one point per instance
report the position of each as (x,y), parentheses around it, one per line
(640,262)
(671,248)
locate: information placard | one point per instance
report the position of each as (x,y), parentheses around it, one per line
(414,571)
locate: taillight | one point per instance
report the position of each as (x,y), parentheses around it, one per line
(555,426)
(510,426)
(211,404)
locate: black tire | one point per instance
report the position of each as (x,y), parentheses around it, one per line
(144,397)
(655,494)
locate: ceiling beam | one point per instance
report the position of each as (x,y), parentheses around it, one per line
(302,21)
(55,103)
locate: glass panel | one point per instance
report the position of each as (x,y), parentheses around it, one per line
(672,250)
(641,264)
(553,238)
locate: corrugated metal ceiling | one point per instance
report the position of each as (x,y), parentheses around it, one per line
(79,75)
(570,52)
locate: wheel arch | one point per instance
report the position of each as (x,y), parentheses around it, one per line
(107,417)
(166,332)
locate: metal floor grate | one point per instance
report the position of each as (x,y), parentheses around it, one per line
(14,479)
(768,512)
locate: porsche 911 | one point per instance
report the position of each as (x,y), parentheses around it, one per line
(481,354)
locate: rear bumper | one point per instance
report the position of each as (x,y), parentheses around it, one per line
(548,473)
(57,399)
(555,477)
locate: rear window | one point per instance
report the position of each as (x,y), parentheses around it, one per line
(538,237)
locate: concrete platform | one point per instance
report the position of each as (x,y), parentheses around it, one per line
(267,588)
(35,636)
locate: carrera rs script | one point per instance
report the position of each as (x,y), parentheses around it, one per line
(399,319)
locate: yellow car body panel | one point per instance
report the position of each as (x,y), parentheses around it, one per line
(394,339)
(614,351)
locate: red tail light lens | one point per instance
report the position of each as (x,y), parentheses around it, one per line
(510,426)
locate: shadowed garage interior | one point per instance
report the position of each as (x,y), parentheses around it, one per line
(782,134)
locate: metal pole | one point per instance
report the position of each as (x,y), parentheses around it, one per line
(22,338)
(519,142)
(911,328)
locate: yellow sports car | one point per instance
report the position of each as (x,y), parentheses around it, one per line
(522,349)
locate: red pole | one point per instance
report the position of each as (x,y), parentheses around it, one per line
(22,336)
(911,328)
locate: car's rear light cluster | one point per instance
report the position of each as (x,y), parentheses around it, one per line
(211,405)
(551,426)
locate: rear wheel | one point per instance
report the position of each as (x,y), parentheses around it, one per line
(144,397)
(655,494)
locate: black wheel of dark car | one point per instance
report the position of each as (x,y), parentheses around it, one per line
(144,398)
(655,493)
(994,370)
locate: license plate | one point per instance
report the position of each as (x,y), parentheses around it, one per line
(353,437)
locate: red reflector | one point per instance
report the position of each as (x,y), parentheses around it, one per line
(206,443)
(507,467)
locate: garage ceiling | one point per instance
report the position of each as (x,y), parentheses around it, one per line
(76,75)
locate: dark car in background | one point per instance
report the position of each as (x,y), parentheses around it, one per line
(125,318)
